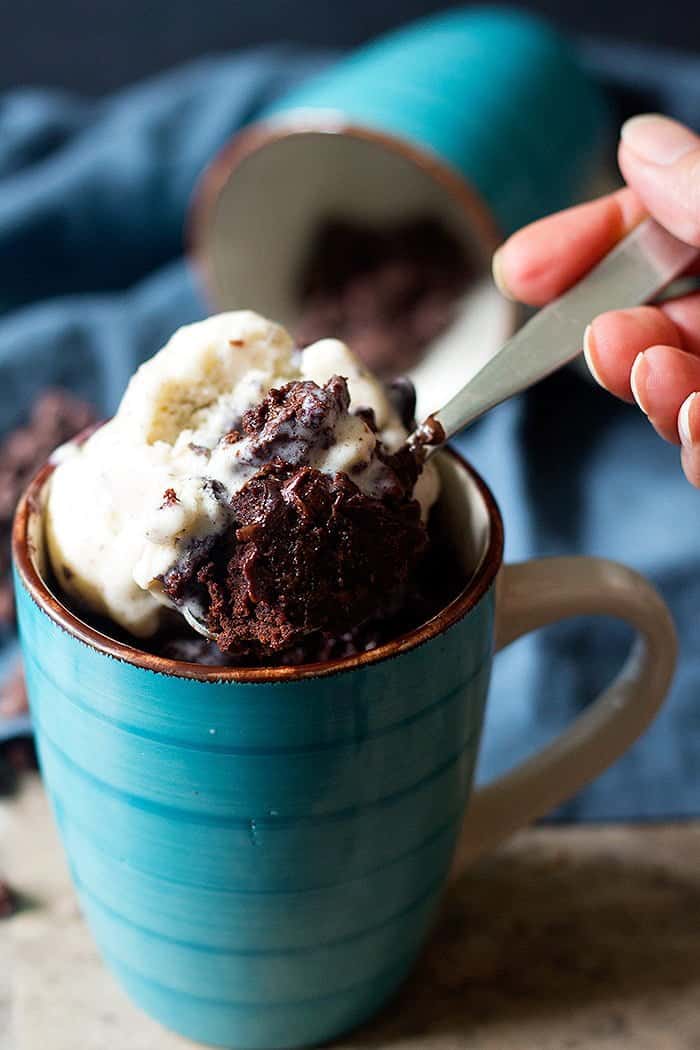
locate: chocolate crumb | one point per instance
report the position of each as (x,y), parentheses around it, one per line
(8,901)
(367,416)
(169,499)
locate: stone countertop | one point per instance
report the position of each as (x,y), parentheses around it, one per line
(564,939)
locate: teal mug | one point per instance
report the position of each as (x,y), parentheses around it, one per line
(481,117)
(260,852)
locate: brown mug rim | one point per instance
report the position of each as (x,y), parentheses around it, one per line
(327,122)
(68,621)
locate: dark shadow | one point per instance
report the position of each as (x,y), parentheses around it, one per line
(539,936)
(562,421)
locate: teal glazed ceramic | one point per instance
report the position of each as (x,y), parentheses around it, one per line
(260,853)
(497,94)
(259,859)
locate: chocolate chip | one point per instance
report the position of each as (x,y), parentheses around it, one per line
(367,416)
(402,394)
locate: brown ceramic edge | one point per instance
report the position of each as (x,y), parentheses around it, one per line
(47,602)
(328,122)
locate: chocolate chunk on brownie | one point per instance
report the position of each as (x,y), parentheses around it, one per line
(294,420)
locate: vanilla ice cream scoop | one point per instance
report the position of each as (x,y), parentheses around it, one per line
(155,484)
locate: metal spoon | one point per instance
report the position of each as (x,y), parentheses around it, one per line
(192,618)
(633,273)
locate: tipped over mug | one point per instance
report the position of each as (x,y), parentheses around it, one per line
(480,117)
(260,853)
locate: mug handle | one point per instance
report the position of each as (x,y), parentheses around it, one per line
(530,595)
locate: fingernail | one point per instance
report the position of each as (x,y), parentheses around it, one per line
(497,271)
(638,381)
(588,353)
(657,139)
(689,429)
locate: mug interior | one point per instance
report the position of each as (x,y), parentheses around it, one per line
(466,515)
(264,199)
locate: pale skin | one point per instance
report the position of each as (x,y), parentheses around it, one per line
(649,355)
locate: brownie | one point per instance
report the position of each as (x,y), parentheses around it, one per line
(386,291)
(306,552)
(436,581)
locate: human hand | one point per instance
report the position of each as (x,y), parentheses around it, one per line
(650,354)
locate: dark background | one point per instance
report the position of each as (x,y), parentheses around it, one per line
(94,46)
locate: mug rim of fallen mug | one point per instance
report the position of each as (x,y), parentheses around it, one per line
(478,585)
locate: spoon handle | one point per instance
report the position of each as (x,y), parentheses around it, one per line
(634,272)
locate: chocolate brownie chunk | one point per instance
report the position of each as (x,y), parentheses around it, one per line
(306,551)
(387,292)
(437,580)
(292,421)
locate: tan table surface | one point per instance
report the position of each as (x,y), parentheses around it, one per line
(565,938)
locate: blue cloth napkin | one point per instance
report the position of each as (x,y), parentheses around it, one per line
(93,197)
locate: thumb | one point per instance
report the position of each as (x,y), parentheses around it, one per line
(660,160)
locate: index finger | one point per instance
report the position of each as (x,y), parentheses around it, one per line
(543,259)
